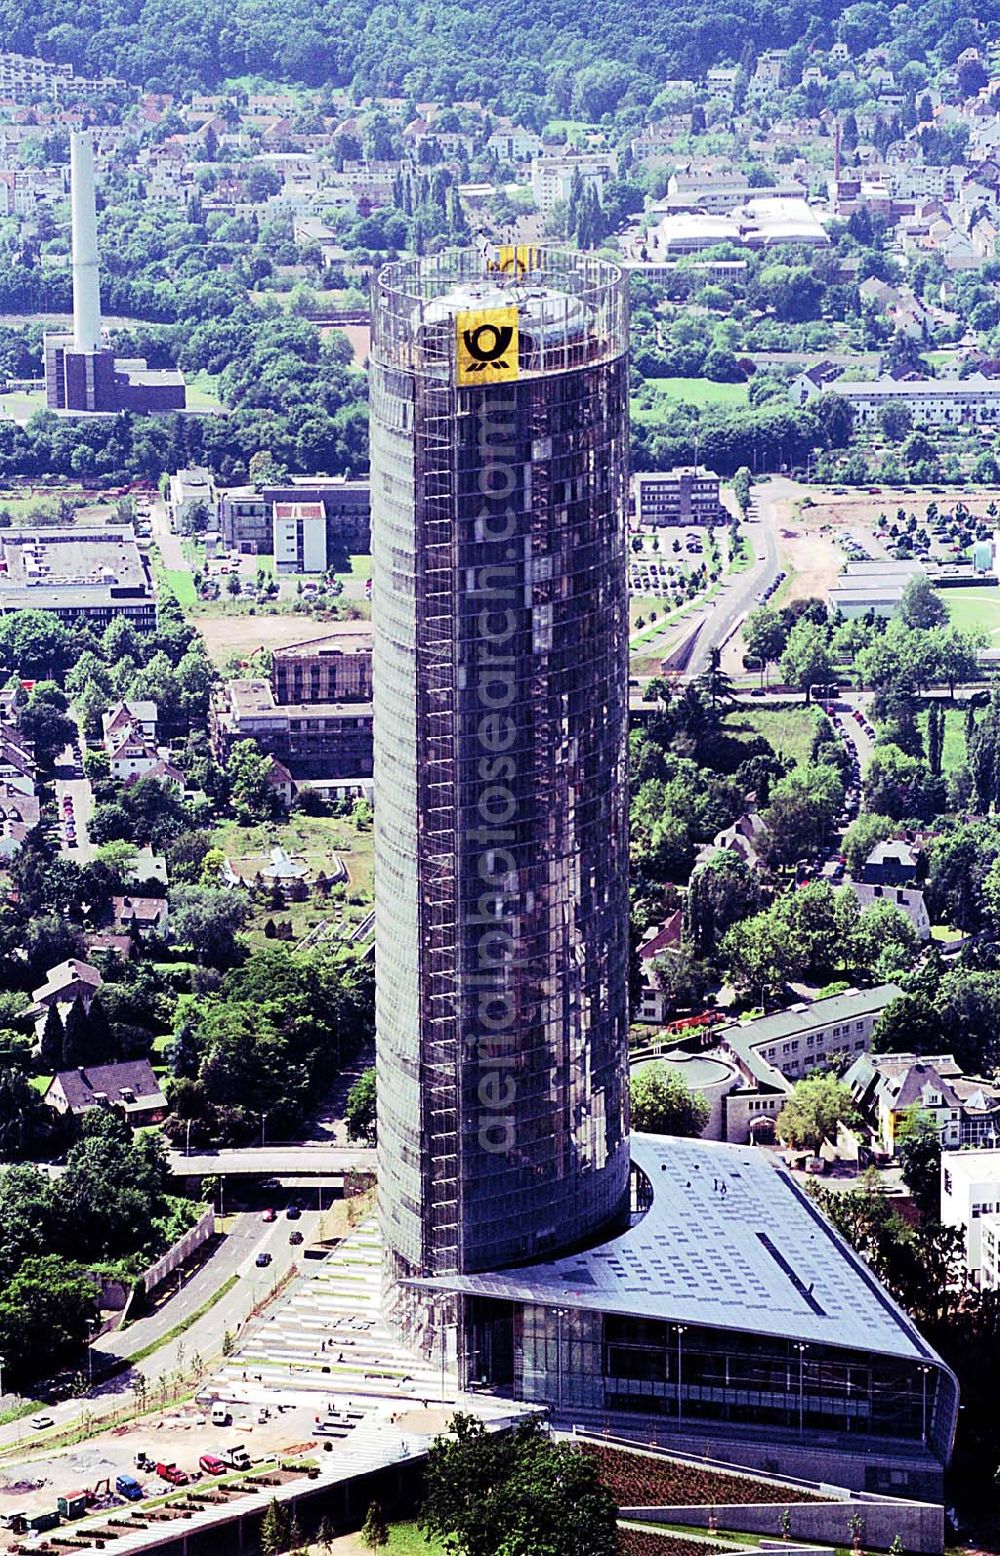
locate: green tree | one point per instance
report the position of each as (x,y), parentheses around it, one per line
(375,1531)
(361,1114)
(742,484)
(806,658)
(489,1492)
(720,893)
(921,605)
(813,1110)
(918,1150)
(274,1529)
(46,1310)
(765,636)
(884,941)
(50,1049)
(663,1105)
(208,920)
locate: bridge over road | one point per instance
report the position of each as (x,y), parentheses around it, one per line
(310,1160)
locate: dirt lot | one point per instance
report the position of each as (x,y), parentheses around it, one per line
(226,635)
(32,1484)
(812,562)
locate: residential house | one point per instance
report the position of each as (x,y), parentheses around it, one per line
(744,838)
(134,716)
(141,915)
(908,899)
(892,863)
(887,1087)
(658,941)
(131,1088)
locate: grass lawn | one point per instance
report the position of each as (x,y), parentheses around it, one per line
(404,1540)
(19,406)
(315,839)
(972,608)
(789,731)
(181,584)
(953,750)
(693,391)
(202,392)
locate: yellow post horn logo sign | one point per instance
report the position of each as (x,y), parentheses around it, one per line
(486,346)
(516,260)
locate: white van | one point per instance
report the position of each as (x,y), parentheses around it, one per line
(220,1414)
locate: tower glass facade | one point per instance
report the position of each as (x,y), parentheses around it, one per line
(499,423)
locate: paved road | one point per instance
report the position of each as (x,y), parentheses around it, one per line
(69,780)
(168,543)
(277,1161)
(741,593)
(236,1256)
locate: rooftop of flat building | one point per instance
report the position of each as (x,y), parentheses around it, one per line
(731,1242)
(255,699)
(300,510)
(853,1003)
(345,637)
(72,561)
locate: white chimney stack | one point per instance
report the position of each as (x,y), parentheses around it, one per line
(86,285)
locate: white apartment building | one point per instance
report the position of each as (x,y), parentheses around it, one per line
(970,1199)
(552,177)
(935,402)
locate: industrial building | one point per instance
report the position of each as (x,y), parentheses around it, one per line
(688,494)
(876,587)
(78,574)
(314,715)
(687,1290)
(970,1199)
(82,373)
(335,668)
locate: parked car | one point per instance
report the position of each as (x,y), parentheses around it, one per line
(40,1423)
(295,1238)
(293,1212)
(128,1487)
(264,1259)
(211,1464)
(269,1215)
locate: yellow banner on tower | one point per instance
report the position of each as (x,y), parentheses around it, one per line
(486,346)
(516,259)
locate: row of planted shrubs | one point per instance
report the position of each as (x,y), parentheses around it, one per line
(638,1480)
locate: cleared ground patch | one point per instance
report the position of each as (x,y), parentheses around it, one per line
(789,731)
(227,635)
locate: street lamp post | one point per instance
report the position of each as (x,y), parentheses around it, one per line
(2,1360)
(802,1351)
(924,1370)
(680,1358)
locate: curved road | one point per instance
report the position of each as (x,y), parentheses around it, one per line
(741,593)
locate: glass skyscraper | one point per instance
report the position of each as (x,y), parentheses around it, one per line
(499,425)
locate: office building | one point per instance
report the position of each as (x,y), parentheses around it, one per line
(81,371)
(691,1289)
(299,537)
(312,739)
(687,494)
(78,574)
(498,512)
(246,513)
(335,668)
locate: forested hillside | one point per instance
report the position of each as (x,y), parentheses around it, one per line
(527,57)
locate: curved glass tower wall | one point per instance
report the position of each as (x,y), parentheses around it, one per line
(499,421)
